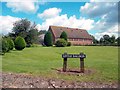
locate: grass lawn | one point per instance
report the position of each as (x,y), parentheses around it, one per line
(40,61)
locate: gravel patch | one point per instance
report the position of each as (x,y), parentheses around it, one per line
(13,80)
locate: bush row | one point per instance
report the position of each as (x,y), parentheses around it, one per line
(8,44)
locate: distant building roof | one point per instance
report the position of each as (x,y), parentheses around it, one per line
(41,36)
(71,32)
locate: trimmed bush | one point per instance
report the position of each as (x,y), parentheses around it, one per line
(48,39)
(5,46)
(20,43)
(61,43)
(68,43)
(11,43)
(63,35)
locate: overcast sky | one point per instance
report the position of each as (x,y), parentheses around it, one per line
(98,18)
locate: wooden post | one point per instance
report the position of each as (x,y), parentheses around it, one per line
(82,65)
(64,64)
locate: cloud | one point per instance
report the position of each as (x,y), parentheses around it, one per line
(7,23)
(96,9)
(52,16)
(111,31)
(29,6)
(50,13)
(107,14)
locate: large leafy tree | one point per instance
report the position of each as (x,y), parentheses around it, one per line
(106,39)
(32,37)
(21,27)
(25,29)
(48,41)
(101,41)
(112,39)
(63,35)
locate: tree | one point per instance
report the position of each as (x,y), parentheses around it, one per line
(106,39)
(95,41)
(118,41)
(48,39)
(11,43)
(101,41)
(21,27)
(20,43)
(32,37)
(63,35)
(112,39)
(25,29)
(5,46)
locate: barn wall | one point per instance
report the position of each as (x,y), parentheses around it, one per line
(81,42)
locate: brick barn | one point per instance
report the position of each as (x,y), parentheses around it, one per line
(75,36)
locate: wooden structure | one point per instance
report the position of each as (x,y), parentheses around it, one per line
(81,56)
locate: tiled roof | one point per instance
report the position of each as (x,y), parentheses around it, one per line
(71,32)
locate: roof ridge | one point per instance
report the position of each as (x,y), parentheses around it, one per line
(67,27)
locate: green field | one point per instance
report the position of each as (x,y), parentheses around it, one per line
(42,61)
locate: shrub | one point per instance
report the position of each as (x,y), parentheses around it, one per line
(5,46)
(20,43)
(68,43)
(63,35)
(48,39)
(34,45)
(61,43)
(11,43)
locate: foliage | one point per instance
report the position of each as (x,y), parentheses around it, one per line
(21,27)
(42,32)
(68,43)
(48,39)
(11,43)
(20,43)
(63,35)
(106,40)
(112,39)
(32,37)
(5,46)
(25,29)
(61,43)
(118,41)
(95,41)
(34,45)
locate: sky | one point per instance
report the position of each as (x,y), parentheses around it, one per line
(98,18)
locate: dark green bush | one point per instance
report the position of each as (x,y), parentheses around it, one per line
(63,35)
(61,43)
(20,43)
(68,43)
(48,39)
(5,46)
(11,43)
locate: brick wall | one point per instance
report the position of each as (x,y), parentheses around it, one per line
(80,42)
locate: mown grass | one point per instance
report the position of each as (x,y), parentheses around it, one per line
(43,60)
